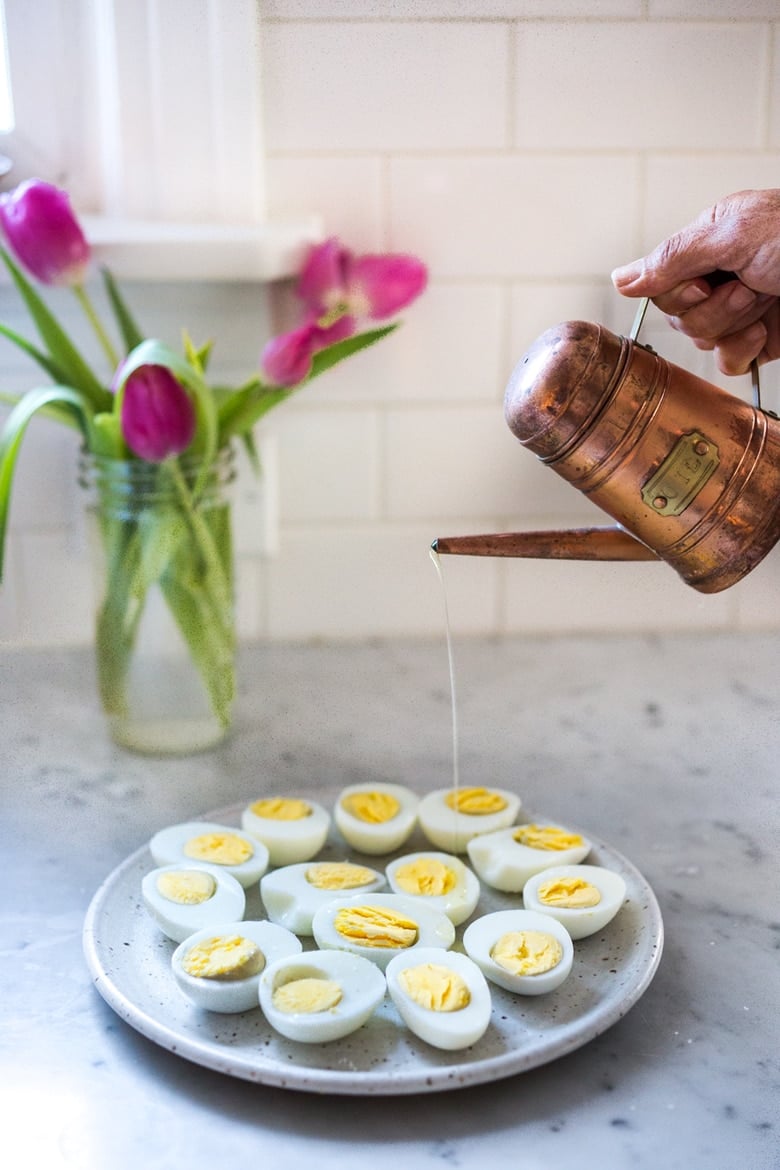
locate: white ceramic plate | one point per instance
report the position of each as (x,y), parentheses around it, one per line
(130,962)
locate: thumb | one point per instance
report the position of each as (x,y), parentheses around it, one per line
(695,251)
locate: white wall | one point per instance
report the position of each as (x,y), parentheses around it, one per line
(522,148)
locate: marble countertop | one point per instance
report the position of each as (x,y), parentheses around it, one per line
(667,748)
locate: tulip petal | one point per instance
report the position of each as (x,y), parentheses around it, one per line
(379,286)
(286,359)
(44,233)
(322,281)
(341,328)
(158,416)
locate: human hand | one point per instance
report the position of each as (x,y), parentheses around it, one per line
(739,318)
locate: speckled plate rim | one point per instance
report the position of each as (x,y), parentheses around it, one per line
(105,928)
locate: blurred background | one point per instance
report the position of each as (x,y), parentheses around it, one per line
(521,148)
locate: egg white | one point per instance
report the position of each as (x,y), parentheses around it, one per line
(292,901)
(177,921)
(584,921)
(362,990)
(451,830)
(291,841)
(385,836)
(167,848)
(235,995)
(434,929)
(483,933)
(445,1030)
(459,903)
(506,864)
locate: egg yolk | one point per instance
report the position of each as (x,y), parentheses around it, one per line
(281,808)
(219,848)
(527,952)
(546,837)
(310,994)
(375,926)
(375,808)
(573,893)
(435,987)
(187,887)
(233,957)
(338,875)
(475,802)
(427,876)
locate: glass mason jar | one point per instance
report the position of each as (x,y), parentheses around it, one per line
(165,624)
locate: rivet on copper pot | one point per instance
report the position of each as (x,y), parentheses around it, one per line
(660,502)
(701,448)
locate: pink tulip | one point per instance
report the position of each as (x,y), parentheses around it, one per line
(44,233)
(335,281)
(158,417)
(287,359)
(339,290)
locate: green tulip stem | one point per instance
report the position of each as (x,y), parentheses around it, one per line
(89,310)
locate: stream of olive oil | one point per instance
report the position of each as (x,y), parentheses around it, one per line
(450,659)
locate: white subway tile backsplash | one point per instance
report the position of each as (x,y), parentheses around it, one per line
(679,187)
(537,306)
(640,86)
(465,463)
(517,216)
(328,465)
(57,602)
(346,192)
(522,149)
(349,583)
(712,9)
(590,596)
(450,9)
(755,598)
(44,490)
(395,86)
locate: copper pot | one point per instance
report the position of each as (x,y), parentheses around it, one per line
(690,472)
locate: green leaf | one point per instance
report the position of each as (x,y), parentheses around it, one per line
(107,439)
(129,330)
(13,433)
(57,413)
(198,357)
(248,440)
(61,349)
(333,354)
(43,359)
(247,407)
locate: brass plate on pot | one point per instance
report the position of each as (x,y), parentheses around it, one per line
(682,475)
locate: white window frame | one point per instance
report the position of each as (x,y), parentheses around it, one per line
(149,112)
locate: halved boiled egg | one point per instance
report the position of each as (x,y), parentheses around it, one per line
(583,898)
(185,898)
(219,968)
(376,818)
(232,850)
(520,950)
(379,926)
(320,995)
(441,996)
(291,829)
(507,858)
(440,879)
(451,817)
(293,894)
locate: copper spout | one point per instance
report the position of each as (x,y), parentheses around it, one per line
(574,544)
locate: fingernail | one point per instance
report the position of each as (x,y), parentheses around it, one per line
(741,297)
(627,273)
(692,294)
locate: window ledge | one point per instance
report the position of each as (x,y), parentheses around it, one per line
(137,250)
